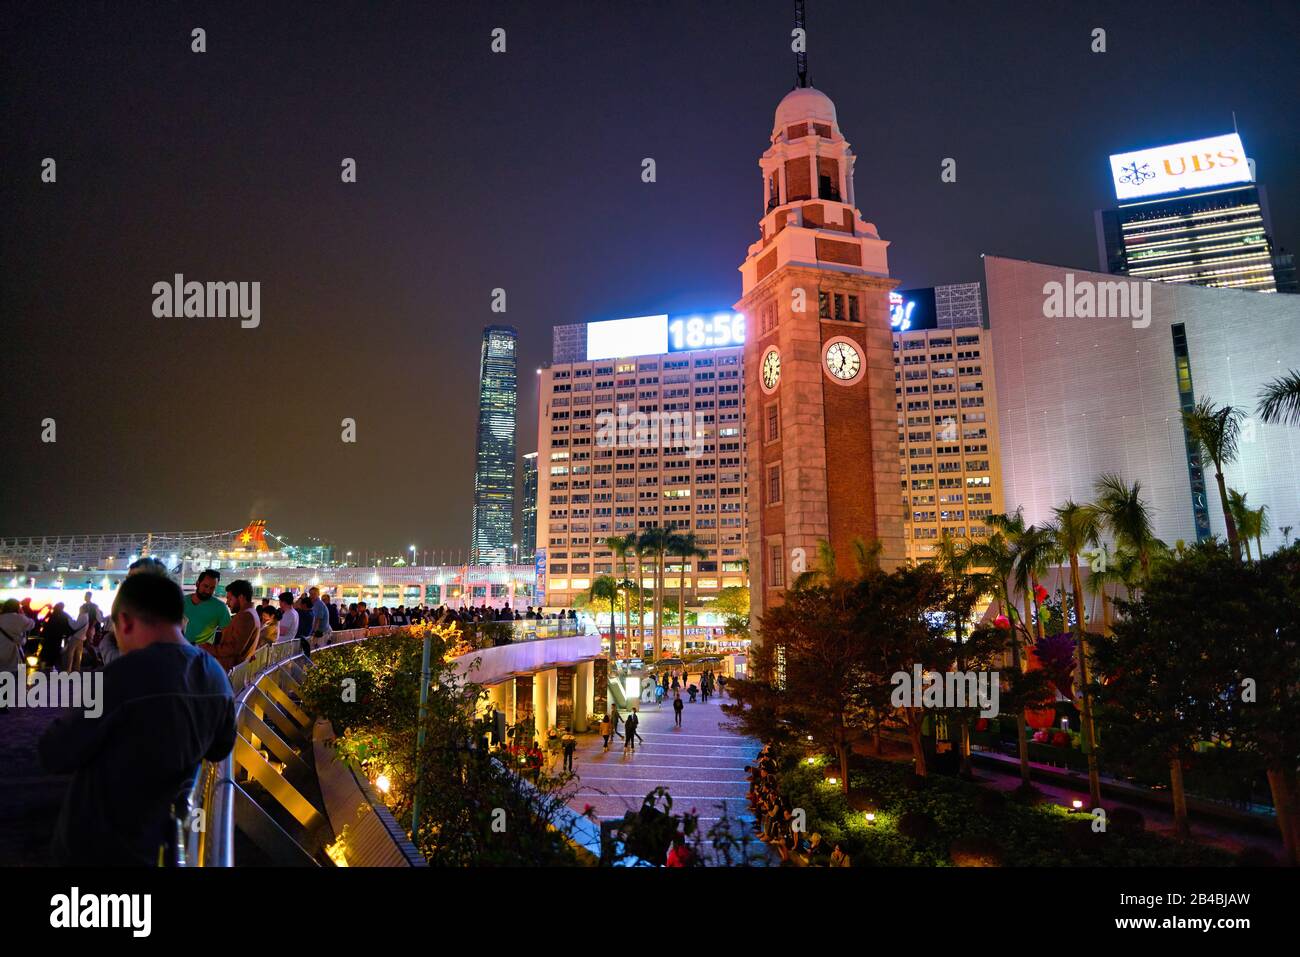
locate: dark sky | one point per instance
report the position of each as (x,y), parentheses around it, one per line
(518,170)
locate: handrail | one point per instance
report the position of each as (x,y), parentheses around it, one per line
(211,843)
(210,838)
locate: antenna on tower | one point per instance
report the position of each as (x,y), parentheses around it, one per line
(801,55)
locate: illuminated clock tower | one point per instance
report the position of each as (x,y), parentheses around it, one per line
(820,420)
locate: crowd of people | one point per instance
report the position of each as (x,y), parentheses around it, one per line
(51,635)
(776,823)
(230,630)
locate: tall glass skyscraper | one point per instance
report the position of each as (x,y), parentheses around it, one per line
(528,513)
(494,472)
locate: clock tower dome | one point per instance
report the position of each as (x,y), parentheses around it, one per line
(820,420)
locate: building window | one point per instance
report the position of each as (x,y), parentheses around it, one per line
(773,484)
(823,304)
(854,315)
(839,306)
(778,567)
(773,423)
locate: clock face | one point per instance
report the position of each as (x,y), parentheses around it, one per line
(771,369)
(843,361)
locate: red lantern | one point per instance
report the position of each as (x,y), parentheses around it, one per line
(1040,593)
(1002,622)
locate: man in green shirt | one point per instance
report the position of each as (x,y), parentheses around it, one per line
(203,613)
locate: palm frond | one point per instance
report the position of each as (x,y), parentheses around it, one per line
(1279,400)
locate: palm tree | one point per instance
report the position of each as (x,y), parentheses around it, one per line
(621,546)
(1216,431)
(998,554)
(685,547)
(640,550)
(1122,511)
(1036,552)
(1261,526)
(953,559)
(1075,530)
(1117,569)
(1243,516)
(866,555)
(1279,401)
(655,542)
(605,587)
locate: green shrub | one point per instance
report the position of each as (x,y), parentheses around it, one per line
(949,810)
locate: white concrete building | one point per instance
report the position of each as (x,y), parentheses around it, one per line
(1081,394)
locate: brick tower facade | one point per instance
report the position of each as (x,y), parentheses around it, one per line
(820,421)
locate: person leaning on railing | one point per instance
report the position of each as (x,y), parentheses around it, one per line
(166,707)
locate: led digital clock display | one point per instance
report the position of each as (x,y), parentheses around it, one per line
(714,331)
(655,335)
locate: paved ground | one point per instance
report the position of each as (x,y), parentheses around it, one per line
(700,763)
(29,797)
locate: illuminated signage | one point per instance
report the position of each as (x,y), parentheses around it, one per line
(900,312)
(539,570)
(715,331)
(655,335)
(912,309)
(1199,164)
(615,338)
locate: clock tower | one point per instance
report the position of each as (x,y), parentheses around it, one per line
(820,420)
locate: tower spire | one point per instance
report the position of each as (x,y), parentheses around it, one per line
(801,55)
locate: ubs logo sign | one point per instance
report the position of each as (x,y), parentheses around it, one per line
(1136,175)
(1216,161)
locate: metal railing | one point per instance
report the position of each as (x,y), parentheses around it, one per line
(209,814)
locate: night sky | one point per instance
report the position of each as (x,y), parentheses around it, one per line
(518,170)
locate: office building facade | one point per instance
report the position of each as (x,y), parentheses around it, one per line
(1095,394)
(950,468)
(494,469)
(647,439)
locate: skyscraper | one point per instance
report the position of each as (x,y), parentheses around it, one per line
(1191,213)
(494,471)
(820,418)
(528,511)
